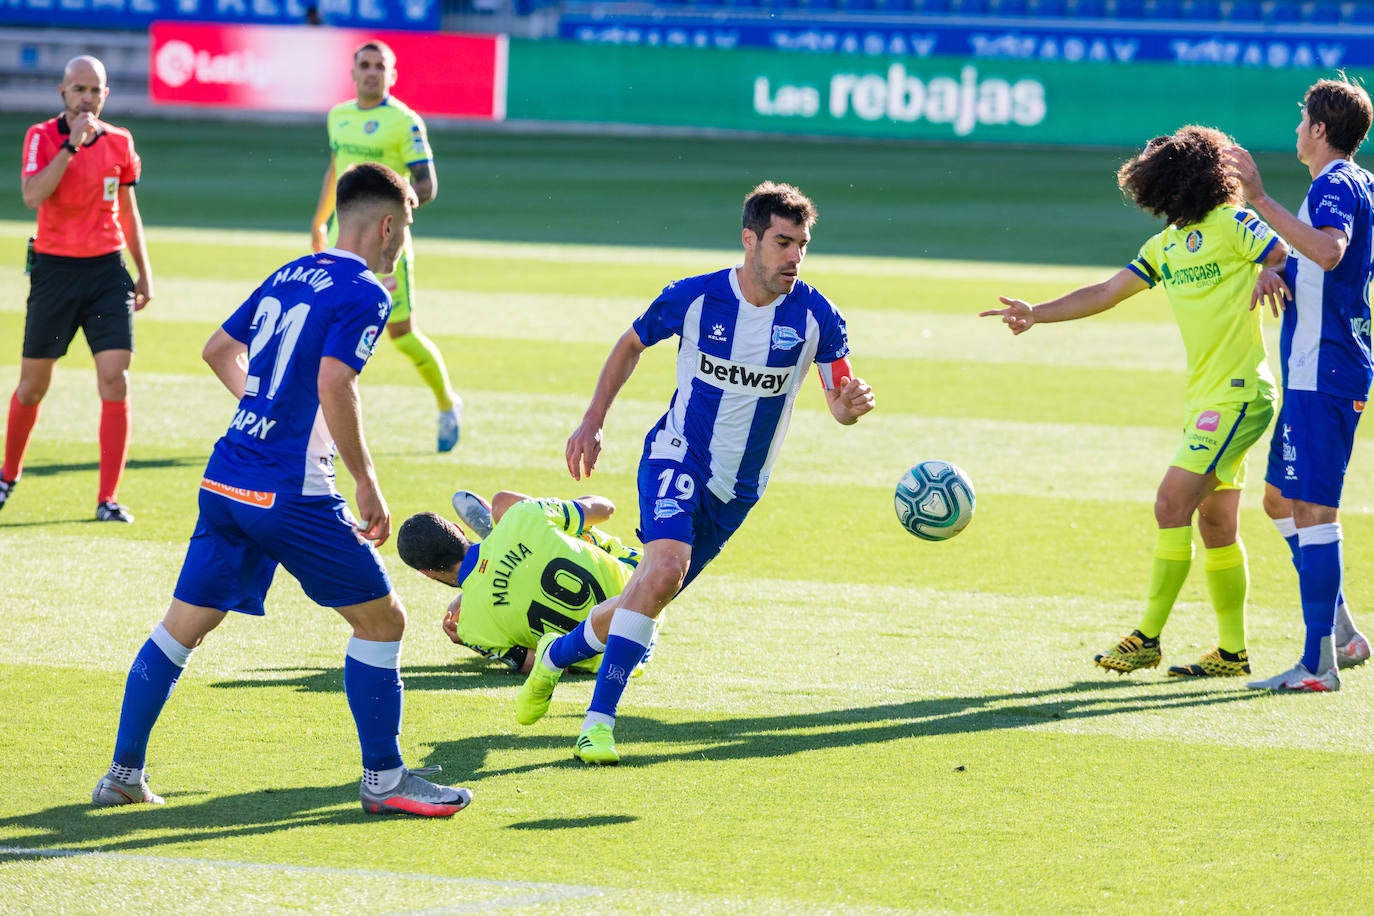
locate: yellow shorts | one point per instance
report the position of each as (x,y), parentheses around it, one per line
(1216,440)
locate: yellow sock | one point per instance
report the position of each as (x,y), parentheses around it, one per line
(1228,582)
(1173,559)
(429,362)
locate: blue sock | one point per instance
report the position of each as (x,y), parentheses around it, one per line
(1289,530)
(1320,583)
(625,648)
(151,678)
(577,645)
(372,683)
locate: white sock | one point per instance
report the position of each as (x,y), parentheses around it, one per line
(597,718)
(380,781)
(128,775)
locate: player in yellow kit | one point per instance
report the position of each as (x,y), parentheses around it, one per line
(377,127)
(541,567)
(1208,259)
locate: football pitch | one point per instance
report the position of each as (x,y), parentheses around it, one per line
(838,717)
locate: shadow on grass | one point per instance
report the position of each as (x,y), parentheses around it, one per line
(185,819)
(562,823)
(191,816)
(742,738)
(467,672)
(52,468)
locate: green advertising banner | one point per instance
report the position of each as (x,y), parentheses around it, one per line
(995,101)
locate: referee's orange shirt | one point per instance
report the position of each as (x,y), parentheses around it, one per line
(81,218)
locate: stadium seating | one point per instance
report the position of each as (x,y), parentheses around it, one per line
(1194,12)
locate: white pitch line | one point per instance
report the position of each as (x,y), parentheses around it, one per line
(536,892)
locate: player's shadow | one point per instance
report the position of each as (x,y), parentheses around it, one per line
(798,733)
(53,468)
(186,818)
(561,823)
(468,674)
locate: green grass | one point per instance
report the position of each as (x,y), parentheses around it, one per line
(840,718)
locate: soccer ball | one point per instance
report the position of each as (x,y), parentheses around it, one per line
(934,500)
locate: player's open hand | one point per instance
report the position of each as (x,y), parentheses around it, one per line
(1240,165)
(1017,315)
(1270,290)
(584,448)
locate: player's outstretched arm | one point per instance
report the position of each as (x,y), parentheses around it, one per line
(849,400)
(1020,316)
(584,445)
(338,388)
(228,359)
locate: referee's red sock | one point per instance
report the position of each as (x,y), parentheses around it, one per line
(17,432)
(116,419)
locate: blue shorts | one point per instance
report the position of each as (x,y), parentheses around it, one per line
(241,536)
(1311,446)
(675,504)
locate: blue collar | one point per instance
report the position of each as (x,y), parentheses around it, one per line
(469,561)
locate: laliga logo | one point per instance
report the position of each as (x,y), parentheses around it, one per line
(175,63)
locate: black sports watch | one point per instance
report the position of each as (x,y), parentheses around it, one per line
(67,145)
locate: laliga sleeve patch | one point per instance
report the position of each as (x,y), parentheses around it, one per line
(367,342)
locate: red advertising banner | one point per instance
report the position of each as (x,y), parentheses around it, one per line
(306,68)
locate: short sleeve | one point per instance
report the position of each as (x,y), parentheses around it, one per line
(38,151)
(1148,260)
(833,343)
(1331,202)
(360,313)
(239,325)
(133,167)
(664,317)
(417,143)
(563,514)
(1253,238)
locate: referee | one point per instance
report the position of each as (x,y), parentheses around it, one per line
(79,174)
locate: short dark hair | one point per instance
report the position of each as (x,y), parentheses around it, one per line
(776,199)
(379,46)
(429,541)
(1182,176)
(371,182)
(1345,110)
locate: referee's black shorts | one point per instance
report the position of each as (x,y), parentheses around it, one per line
(95,295)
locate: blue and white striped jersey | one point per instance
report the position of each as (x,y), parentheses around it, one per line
(326,304)
(739,368)
(1324,344)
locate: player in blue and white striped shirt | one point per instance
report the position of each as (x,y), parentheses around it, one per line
(748,337)
(1327,370)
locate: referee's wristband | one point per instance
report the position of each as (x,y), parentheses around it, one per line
(67,145)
